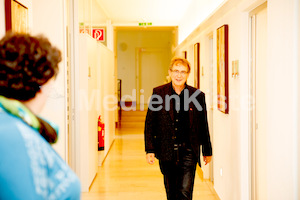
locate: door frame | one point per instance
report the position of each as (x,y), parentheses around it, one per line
(252,95)
(73,60)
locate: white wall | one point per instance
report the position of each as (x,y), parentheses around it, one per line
(108,97)
(282,89)
(89,110)
(231,132)
(48,19)
(2,18)
(297,7)
(99,17)
(85,11)
(96,97)
(195,14)
(226,128)
(85,139)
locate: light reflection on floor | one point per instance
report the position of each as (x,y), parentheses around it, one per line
(125,175)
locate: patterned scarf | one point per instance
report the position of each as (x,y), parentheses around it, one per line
(16,108)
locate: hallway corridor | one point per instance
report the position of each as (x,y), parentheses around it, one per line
(244,56)
(125,175)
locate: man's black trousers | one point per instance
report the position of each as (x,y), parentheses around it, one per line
(179,175)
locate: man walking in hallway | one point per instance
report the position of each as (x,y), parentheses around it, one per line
(175,128)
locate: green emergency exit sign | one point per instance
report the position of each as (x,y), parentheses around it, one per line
(145,24)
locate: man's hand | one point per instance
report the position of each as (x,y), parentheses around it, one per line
(207,159)
(150,157)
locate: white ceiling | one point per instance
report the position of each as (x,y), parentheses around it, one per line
(159,12)
(185,14)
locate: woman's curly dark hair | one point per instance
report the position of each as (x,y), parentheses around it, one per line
(26,63)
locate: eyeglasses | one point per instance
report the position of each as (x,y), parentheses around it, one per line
(182,73)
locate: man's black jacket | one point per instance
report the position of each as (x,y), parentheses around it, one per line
(159,124)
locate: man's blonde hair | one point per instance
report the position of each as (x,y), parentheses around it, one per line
(177,61)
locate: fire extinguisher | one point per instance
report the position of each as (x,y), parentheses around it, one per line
(101,134)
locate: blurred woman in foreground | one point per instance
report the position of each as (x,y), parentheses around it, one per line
(29,166)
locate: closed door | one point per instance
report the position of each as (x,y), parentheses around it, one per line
(259,66)
(152,72)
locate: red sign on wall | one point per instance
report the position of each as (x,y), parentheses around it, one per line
(98,34)
(84,30)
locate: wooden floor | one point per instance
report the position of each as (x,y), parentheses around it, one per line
(125,175)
